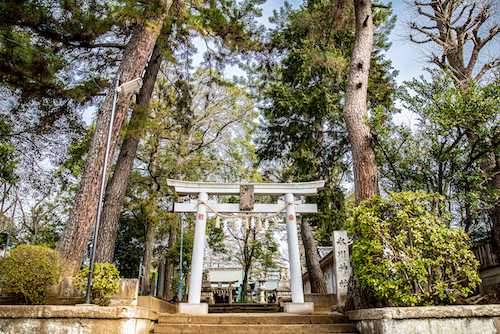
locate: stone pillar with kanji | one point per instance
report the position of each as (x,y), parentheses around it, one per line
(342,265)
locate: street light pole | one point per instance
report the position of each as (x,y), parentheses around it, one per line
(125,88)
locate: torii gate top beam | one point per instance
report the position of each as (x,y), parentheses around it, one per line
(260,189)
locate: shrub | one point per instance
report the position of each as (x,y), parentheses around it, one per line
(30,271)
(104,282)
(405,253)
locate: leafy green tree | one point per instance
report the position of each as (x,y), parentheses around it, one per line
(54,56)
(254,250)
(129,247)
(464,39)
(52,52)
(438,155)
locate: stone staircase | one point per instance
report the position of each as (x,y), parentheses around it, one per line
(253,323)
(245,308)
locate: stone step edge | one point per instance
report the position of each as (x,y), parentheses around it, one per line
(264,328)
(251,319)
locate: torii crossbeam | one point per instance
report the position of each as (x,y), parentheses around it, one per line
(203,189)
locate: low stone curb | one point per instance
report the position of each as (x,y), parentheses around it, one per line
(463,319)
(79,319)
(461,311)
(81,311)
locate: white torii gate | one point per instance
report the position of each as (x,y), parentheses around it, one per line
(203,189)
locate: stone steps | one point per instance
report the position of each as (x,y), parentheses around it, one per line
(251,323)
(245,308)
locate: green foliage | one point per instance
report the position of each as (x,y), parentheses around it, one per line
(267,251)
(30,271)
(257,250)
(232,23)
(129,247)
(444,153)
(40,43)
(173,254)
(8,157)
(104,282)
(7,163)
(254,251)
(332,214)
(406,254)
(208,121)
(303,123)
(215,237)
(77,152)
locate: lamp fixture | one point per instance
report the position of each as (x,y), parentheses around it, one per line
(129,86)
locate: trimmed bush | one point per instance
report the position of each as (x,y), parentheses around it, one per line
(104,282)
(30,271)
(406,254)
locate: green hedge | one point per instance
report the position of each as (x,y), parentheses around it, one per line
(104,282)
(407,255)
(29,272)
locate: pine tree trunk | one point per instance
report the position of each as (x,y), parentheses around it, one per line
(116,189)
(78,228)
(316,278)
(169,264)
(355,110)
(355,114)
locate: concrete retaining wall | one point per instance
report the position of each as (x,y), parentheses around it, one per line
(476,319)
(76,320)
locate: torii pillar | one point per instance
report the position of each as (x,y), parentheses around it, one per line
(203,189)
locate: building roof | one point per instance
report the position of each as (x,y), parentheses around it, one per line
(324,251)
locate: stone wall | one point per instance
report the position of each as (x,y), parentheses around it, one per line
(323,302)
(156,304)
(489,277)
(470,319)
(64,293)
(63,319)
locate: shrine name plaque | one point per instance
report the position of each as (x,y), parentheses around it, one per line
(247,198)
